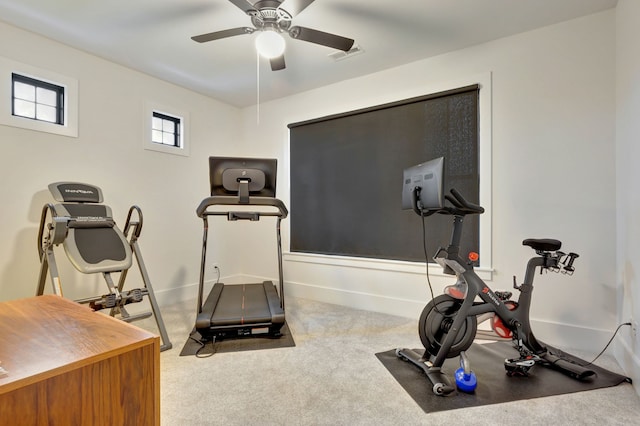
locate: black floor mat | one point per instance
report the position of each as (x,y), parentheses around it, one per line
(192,345)
(494,386)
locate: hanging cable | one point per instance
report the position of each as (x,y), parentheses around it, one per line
(607,345)
(426,256)
(257,88)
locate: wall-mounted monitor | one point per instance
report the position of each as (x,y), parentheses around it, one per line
(233,175)
(429,177)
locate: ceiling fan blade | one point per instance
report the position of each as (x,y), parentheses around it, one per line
(320,37)
(296,6)
(243,5)
(277,64)
(222,34)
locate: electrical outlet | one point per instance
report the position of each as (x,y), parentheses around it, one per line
(634,327)
(216,266)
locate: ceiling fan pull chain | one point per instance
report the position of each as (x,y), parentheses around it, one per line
(257,88)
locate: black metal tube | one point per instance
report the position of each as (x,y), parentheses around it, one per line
(202,263)
(456,233)
(524,306)
(280,273)
(138,224)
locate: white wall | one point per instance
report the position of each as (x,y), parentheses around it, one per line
(109,154)
(553,132)
(628,196)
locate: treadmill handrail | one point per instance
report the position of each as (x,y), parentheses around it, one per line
(224,200)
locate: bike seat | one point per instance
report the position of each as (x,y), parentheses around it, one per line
(543,244)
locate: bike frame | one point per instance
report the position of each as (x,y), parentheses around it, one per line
(517,319)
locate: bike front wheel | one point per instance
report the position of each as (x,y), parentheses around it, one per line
(435,322)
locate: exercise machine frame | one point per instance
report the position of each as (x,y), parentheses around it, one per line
(448,326)
(239,321)
(54,232)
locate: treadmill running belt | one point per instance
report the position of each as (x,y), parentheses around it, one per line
(240,310)
(241,304)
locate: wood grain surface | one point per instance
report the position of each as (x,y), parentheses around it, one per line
(69,365)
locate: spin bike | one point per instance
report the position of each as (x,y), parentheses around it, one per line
(448,325)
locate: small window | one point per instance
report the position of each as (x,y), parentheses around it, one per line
(165,129)
(37,99)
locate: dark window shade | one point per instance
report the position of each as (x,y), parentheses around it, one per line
(346,176)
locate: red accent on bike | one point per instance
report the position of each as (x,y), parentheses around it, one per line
(485,290)
(473,256)
(454,292)
(501,329)
(498,326)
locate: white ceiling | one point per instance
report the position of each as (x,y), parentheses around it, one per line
(153,36)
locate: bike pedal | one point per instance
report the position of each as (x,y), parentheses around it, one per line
(519,366)
(518,373)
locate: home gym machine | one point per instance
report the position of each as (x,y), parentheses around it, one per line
(448,325)
(94,244)
(241,189)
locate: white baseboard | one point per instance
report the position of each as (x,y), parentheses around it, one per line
(176,294)
(570,336)
(357,300)
(190,291)
(629,362)
(561,335)
(566,336)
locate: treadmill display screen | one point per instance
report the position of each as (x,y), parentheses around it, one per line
(226,174)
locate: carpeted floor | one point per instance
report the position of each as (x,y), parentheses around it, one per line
(333,377)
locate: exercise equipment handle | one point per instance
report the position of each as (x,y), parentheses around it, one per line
(568,263)
(223,200)
(137,224)
(462,204)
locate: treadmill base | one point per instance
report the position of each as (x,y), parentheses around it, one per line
(242,310)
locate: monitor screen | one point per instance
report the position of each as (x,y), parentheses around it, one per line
(429,177)
(228,174)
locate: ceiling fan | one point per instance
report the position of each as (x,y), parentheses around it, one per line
(268,17)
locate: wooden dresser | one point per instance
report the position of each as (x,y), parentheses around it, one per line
(68,365)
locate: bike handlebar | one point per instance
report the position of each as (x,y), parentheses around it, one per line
(460,203)
(461,206)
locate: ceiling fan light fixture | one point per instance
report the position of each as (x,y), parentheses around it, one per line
(270,44)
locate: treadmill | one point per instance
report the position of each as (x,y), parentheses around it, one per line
(241,189)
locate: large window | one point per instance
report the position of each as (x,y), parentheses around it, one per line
(346,176)
(37,99)
(393,188)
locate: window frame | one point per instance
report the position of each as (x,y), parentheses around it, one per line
(177,133)
(152,108)
(38,84)
(69,126)
(485,270)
